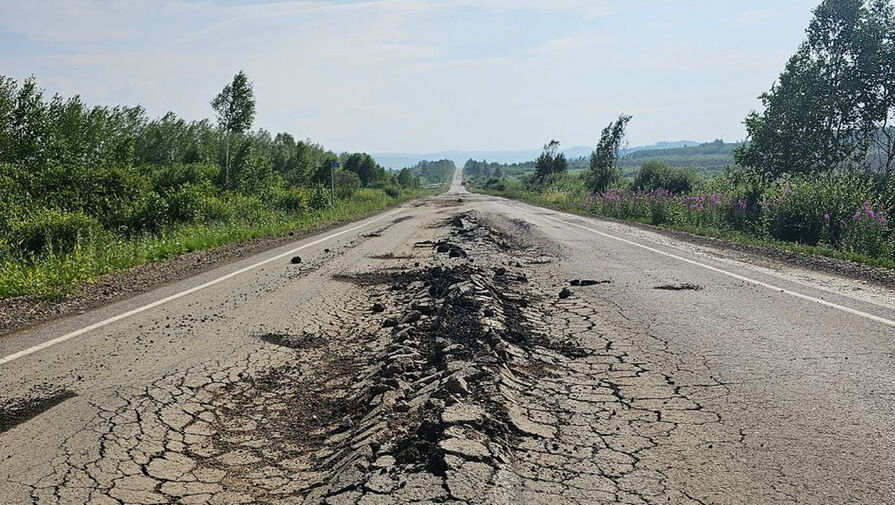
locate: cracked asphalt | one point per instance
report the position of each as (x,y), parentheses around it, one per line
(464,350)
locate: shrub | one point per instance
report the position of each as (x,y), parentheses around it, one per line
(290,199)
(868,233)
(367,195)
(14,200)
(185,202)
(346,183)
(51,229)
(244,207)
(319,198)
(166,178)
(654,174)
(147,214)
(214,209)
(555,197)
(815,209)
(393,191)
(496,184)
(98,192)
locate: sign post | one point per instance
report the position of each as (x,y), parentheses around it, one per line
(332,183)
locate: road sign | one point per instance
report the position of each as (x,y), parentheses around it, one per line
(332,183)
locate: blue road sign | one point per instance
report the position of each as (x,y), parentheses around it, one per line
(335,164)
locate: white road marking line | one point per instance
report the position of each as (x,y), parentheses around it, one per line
(144,308)
(796,294)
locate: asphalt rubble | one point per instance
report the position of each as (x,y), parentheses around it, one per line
(437,426)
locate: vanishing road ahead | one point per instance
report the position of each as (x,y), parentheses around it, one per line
(463,349)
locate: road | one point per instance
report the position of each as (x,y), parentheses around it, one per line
(439,353)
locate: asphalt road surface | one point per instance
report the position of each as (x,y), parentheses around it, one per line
(463,349)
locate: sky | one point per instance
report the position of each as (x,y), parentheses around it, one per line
(420,75)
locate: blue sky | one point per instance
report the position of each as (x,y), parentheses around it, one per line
(420,75)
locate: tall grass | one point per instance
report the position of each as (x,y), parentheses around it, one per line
(57,272)
(844,215)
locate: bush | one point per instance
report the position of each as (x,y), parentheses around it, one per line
(555,197)
(214,209)
(346,183)
(393,191)
(147,214)
(51,229)
(868,233)
(98,192)
(654,175)
(319,198)
(496,184)
(14,200)
(166,178)
(367,195)
(185,203)
(244,207)
(814,209)
(290,199)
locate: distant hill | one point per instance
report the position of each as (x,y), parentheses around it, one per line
(459,157)
(709,157)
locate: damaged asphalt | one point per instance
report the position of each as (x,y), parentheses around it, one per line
(461,356)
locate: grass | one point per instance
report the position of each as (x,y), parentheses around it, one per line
(552,200)
(52,275)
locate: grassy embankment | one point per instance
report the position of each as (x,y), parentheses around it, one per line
(848,224)
(53,274)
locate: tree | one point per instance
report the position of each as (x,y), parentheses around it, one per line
(878,69)
(834,98)
(406,179)
(549,162)
(603,166)
(365,167)
(235,106)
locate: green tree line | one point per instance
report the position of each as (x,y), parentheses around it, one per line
(69,170)
(433,172)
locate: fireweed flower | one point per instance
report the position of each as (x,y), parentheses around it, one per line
(870,214)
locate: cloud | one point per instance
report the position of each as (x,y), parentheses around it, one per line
(589,8)
(754,17)
(410,75)
(573,46)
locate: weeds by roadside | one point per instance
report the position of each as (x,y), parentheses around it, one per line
(56,272)
(836,215)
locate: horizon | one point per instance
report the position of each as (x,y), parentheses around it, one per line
(394,76)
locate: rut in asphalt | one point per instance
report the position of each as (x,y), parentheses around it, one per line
(475,383)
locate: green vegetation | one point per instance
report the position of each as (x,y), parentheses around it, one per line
(817,172)
(434,173)
(549,162)
(89,190)
(708,159)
